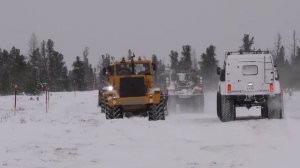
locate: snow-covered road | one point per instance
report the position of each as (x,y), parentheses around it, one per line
(74,134)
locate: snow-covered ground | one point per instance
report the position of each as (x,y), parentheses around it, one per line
(74,134)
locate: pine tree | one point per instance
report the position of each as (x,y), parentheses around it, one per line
(297,57)
(247,43)
(280,57)
(58,73)
(159,79)
(89,75)
(174,60)
(186,60)
(22,73)
(157,72)
(78,74)
(277,48)
(282,67)
(33,44)
(44,64)
(103,63)
(154,59)
(208,66)
(5,85)
(296,67)
(294,47)
(5,67)
(129,54)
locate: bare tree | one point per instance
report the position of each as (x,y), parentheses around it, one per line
(277,45)
(129,54)
(294,46)
(85,53)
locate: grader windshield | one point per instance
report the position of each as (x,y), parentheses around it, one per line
(128,69)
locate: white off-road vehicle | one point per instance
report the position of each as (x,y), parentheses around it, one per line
(246,80)
(186,90)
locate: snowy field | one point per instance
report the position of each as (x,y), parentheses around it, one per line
(74,134)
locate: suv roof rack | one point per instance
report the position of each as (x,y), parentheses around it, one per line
(248,52)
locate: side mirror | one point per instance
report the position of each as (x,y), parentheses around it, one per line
(154,66)
(104,71)
(218,70)
(222,75)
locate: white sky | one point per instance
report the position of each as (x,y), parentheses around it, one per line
(148,27)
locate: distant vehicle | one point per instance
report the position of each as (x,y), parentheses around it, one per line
(185,89)
(249,79)
(130,90)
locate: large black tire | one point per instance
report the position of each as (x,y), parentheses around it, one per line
(264,110)
(114,112)
(275,107)
(99,102)
(157,112)
(227,109)
(219,106)
(102,109)
(108,113)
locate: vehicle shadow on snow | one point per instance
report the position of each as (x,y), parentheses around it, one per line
(242,118)
(207,120)
(217,120)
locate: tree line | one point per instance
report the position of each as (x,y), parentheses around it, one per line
(44,66)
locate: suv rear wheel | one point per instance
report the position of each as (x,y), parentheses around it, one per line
(219,106)
(264,110)
(227,112)
(275,107)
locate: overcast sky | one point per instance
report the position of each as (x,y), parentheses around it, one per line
(146,26)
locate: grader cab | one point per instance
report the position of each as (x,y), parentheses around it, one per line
(130,91)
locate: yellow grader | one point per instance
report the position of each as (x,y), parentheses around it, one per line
(130,91)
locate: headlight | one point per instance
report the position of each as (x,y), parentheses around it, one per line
(110,88)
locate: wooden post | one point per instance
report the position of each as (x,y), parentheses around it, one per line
(15,106)
(48,93)
(74,86)
(46,100)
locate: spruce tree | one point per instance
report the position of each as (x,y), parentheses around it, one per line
(208,66)
(78,73)
(58,73)
(247,43)
(174,60)
(186,60)
(280,57)
(89,76)
(5,85)
(43,64)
